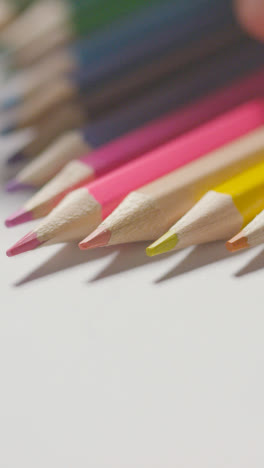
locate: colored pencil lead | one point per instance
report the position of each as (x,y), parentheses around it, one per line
(14,186)
(165,244)
(238,242)
(19,217)
(99,238)
(29,242)
(251,235)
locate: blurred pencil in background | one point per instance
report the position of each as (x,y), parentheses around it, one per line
(10,9)
(74,144)
(160,98)
(50,23)
(168,35)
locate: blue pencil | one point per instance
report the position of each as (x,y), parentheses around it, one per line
(211,74)
(178,35)
(111,41)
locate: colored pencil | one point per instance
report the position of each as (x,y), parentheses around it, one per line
(173,92)
(219,214)
(71,218)
(74,145)
(147,213)
(129,82)
(177,33)
(7,13)
(251,236)
(49,23)
(95,48)
(9,9)
(121,89)
(63,119)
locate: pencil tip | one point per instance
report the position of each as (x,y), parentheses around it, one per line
(238,242)
(20,217)
(9,103)
(16,158)
(7,130)
(163,244)
(29,242)
(14,186)
(99,238)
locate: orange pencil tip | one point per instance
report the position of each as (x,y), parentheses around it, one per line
(99,238)
(238,242)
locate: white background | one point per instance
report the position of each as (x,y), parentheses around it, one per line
(109,359)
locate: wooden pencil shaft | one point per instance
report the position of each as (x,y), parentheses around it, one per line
(254,231)
(42,17)
(65,118)
(7,14)
(53,159)
(147,213)
(247,191)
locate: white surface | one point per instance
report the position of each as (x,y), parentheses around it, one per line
(112,360)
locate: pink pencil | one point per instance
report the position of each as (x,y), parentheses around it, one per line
(127,147)
(84,209)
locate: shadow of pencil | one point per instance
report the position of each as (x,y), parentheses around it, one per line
(129,257)
(68,257)
(257,263)
(199,257)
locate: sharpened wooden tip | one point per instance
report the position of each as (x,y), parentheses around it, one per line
(99,238)
(16,158)
(19,217)
(29,242)
(163,244)
(15,186)
(238,242)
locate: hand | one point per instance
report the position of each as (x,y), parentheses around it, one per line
(250,13)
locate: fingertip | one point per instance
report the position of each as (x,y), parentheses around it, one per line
(250,14)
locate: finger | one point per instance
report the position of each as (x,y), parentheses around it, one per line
(250,13)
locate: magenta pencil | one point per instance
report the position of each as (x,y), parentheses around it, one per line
(121,150)
(82,210)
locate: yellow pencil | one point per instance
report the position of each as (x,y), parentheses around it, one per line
(220,214)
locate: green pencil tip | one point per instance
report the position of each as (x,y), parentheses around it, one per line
(163,244)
